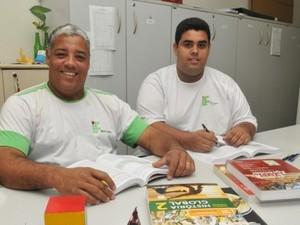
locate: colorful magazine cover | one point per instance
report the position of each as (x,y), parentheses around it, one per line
(196,203)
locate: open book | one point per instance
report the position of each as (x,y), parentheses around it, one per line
(223,152)
(125,170)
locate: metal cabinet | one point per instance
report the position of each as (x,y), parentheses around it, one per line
(259,73)
(17,78)
(148,43)
(290,53)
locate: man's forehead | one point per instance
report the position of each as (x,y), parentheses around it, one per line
(192,35)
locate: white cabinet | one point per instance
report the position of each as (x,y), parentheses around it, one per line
(268,82)
(19,77)
(148,43)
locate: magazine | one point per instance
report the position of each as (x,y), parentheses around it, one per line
(198,203)
(223,152)
(125,170)
(268,179)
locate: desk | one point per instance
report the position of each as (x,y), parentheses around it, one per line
(27,208)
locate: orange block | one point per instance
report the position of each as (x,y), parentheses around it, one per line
(65,210)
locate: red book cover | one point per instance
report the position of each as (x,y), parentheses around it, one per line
(266,176)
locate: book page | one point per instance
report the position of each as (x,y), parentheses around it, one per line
(139,167)
(121,179)
(225,151)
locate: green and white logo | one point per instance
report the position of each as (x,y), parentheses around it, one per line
(206,101)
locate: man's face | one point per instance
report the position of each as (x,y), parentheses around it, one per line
(68,62)
(192,53)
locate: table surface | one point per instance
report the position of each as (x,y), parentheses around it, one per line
(27,207)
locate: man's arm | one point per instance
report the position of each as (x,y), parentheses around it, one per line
(18,172)
(198,141)
(179,162)
(240,134)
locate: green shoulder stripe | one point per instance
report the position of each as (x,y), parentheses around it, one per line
(134,131)
(14,140)
(33,89)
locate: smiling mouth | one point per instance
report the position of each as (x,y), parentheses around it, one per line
(69,74)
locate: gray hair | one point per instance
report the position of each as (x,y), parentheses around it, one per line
(67,30)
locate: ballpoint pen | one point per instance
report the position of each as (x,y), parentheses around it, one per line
(218,144)
(291,158)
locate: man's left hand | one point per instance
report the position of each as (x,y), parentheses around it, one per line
(237,136)
(179,162)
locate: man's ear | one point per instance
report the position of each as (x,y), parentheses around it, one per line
(47,55)
(175,47)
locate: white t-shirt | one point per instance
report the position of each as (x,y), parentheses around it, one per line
(51,130)
(215,100)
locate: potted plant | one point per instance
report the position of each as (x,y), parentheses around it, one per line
(40,12)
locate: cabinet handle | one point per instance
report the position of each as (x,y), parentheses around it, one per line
(119,21)
(17,84)
(214,32)
(260,38)
(268,37)
(134,20)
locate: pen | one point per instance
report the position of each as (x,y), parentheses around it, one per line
(218,144)
(291,158)
(205,128)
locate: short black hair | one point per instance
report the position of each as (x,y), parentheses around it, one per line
(193,23)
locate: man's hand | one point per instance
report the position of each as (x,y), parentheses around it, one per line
(199,141)
(96,185)
(240,134)
(18,172)
(179,163)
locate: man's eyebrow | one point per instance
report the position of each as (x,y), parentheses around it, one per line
(190,41)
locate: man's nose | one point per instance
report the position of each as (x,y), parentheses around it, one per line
(194,49)
(70,61)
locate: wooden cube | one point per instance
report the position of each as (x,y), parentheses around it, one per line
(65,210)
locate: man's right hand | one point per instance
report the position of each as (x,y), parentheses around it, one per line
(96,185)
(199,141)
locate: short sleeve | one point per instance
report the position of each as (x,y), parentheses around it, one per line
(151,98)
(15,124)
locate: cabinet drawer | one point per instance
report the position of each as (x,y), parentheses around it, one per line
(17,80)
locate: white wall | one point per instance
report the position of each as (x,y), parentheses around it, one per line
(17,30)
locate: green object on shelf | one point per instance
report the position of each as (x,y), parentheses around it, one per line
(45,45)
(37,44)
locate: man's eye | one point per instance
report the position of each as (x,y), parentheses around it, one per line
(81,57)
(60,55)
(188,44)
(202,45)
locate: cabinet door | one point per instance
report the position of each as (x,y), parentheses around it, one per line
(259,73)
(223,44)
(17,80)
(148,43)
(290,52)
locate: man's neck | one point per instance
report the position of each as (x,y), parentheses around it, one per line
(189,78)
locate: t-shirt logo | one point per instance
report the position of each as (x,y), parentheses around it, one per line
(96,127)
(206,101)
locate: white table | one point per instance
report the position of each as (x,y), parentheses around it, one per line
(27,208)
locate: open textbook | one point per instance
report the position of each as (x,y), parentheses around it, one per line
(125,170)
(223,152)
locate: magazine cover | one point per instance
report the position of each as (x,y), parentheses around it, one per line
(192,204)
